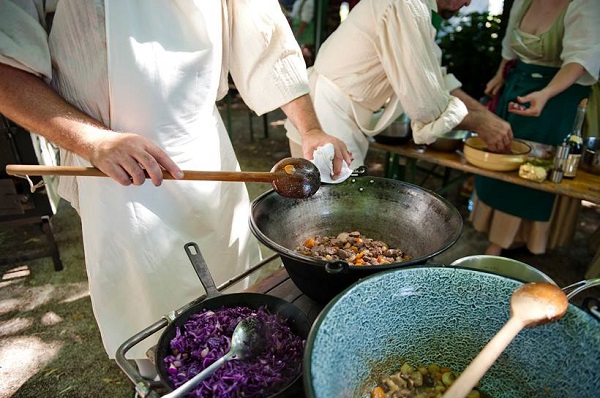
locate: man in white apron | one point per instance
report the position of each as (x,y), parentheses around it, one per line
(384,55)
(137,83)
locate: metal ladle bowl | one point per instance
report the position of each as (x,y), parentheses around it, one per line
(247,341)
(296,178)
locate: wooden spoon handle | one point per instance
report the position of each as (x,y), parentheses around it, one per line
(469,378)
(38,170)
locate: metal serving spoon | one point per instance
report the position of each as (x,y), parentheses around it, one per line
(247,341)
(532,304)
(295,178)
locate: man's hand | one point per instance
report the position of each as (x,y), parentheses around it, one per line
(125,156)
(493,130)
(301,113)
(315,138)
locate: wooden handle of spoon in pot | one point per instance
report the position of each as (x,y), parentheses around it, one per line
(532,304)
(290,177)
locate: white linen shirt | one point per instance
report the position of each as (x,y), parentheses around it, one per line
(388,47)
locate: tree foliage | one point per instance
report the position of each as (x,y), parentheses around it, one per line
(471,47)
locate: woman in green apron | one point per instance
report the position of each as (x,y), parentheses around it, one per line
(555,45)
(303,26)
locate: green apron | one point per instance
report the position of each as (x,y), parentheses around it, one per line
(551,127)
(307,37)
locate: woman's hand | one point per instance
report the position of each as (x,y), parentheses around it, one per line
(494,85)
(531,104)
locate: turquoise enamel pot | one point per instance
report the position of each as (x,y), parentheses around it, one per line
(445,315)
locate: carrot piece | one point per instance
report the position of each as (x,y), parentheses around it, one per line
(310,242)
(378,393)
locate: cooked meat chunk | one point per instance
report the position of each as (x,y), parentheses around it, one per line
(353,248)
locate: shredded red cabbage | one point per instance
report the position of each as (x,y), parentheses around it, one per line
(207,337)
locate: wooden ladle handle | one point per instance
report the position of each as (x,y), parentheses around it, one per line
(531,304)
(38,170)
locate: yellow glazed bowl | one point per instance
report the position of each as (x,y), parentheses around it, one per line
(478,155)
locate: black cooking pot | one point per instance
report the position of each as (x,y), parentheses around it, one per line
(403,215)
(296,319)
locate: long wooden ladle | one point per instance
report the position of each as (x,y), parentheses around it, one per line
(290,177)
(532,304)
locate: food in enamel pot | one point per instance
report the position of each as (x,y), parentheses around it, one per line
(353,248)
(421,382)
(206,337)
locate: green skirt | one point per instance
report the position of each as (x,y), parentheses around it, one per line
(307,37)
(551,127)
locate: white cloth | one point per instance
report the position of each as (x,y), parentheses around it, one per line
(384,54)
(134,236)
(581,41)
(323,159)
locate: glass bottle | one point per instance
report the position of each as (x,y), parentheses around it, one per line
(574,140)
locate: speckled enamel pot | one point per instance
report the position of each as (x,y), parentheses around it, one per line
(441,315)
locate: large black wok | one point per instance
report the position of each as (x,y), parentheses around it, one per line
(405,216)
(296,319)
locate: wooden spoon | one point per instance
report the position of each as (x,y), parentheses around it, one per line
(532,304)
(290,177)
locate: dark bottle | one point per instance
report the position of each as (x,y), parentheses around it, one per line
(574,140)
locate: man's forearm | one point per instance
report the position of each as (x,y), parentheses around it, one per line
(470,102)
(302,114)
(28,101)
(473,119)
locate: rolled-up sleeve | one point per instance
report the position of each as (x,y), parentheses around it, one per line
(266,63)
(23,39)
(581,42)
(408,52)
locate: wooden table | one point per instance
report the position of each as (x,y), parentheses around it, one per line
(584,186)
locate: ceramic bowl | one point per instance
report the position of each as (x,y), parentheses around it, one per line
(477,154)
(445,316)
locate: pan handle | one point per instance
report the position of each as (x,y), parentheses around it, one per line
(592,306)
(193,252)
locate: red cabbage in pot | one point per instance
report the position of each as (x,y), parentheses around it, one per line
(207,337)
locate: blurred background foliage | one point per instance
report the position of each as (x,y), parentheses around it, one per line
(471,49)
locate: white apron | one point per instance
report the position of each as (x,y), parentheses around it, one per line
(164,63)
(343,118)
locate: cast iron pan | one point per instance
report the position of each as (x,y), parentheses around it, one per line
(297,321)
